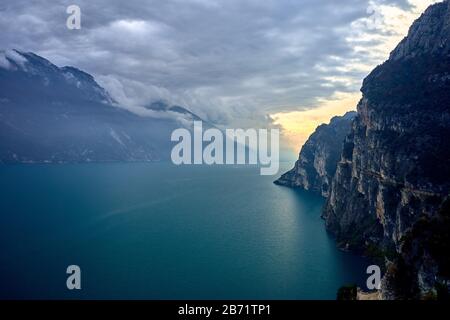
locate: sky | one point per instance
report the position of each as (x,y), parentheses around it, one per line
(291,64)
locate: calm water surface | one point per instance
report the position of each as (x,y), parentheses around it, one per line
(155,231)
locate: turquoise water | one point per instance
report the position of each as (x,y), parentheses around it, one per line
(155,231)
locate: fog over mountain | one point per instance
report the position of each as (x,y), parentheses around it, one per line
(234,63)
(52,114)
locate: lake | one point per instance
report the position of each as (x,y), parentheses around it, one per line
(156,231)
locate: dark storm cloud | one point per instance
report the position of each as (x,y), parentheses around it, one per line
(223,59)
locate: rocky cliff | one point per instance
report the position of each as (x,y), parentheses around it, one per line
(319,157)
(388,193)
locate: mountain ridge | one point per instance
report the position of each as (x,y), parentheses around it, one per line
(50,114)
(390,195)
(318,157)
(393,179)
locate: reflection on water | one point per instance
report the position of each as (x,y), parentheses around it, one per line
(155,231)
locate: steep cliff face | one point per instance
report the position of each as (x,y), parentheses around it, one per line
(319,157)
(390,184)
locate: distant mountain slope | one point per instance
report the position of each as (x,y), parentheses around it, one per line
(388,195)
(51,114)
(164,106)
(319,157)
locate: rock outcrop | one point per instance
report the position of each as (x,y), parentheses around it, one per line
(388,196)
(319,156)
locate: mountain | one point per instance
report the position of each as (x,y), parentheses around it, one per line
(319,156)
(165,107)
(52,114)
(390,194)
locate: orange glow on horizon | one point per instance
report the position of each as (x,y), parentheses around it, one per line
(297,126)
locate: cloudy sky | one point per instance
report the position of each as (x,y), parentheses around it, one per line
(247,63)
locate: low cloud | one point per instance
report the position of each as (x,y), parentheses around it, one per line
(231,62)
